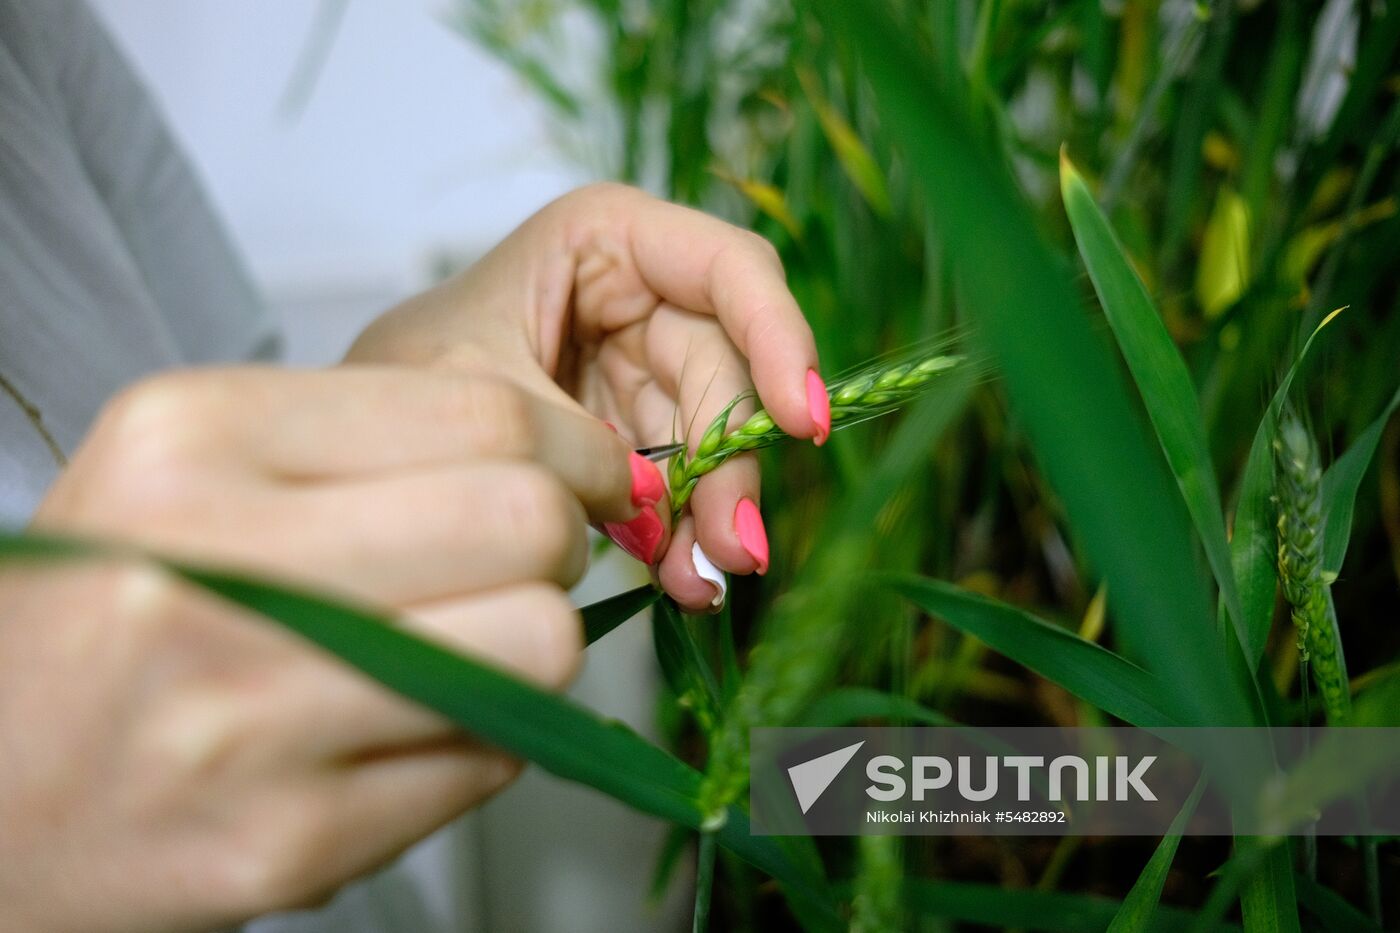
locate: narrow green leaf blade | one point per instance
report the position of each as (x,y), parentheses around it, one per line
(607,614)
(1082,667)
(704,883)
(1335,912)
(1141,904)
(1268,903)
(1160,374)
(561,736)
(687,672)
(1339,486)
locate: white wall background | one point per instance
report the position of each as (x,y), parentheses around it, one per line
(413,144)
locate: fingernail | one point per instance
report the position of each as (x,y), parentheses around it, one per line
(648,488)
(818,406)
(639,537)
(707,571)
(748,524)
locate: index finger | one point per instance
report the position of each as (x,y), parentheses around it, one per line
(703,264)
(355,421)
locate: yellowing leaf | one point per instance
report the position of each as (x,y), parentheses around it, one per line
(1222,274)
(855,159)
(767,198)
(1306,248)
(1091,627)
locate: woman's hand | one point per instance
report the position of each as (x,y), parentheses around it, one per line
(170,762)
(649,316)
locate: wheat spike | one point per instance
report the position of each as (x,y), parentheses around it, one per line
(867,393)
(1297,494)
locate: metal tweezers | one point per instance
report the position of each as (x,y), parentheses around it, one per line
(660,454)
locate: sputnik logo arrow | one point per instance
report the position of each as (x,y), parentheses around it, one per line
(811,778)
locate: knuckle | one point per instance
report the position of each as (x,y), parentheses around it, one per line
(550,522)
(153,432)
(762,248)
(557,632)
(146,602)
(160,408)
(192,742)
(495,414)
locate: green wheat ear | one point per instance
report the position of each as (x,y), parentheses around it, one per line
(867,393)
(1297,494)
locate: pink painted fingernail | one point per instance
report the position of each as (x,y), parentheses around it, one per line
(818,406)
(640,537)
(648,488)
(748,524)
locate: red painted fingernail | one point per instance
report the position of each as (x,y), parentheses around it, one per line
(818,406)
(640,537)
(748,524)
(648,488)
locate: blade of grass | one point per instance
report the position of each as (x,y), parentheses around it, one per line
(1089,671)
(860,166)
(1160,373)
(1339,486)
(704,882)
(667,860)
(1142,903)
(685,668)
(1260,870)
(1267,900)
(559,735)
(1334,911)
(607,614)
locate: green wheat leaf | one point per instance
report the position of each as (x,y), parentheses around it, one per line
(1141,905)
(1160,374)
(1339,486)
(607,614)
(1084,668)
